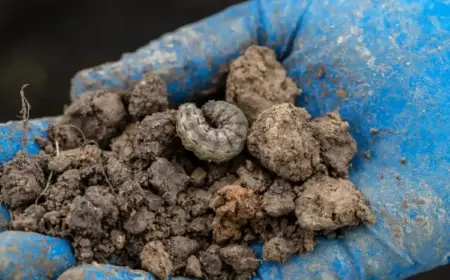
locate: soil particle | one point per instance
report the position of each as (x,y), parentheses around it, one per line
(68,136)
(156,260)
(116,171)
(193,267)
(123,144)
(225,229)
(232,205)
(327,204)
(199,201)
(21,181)
(58,195)
(241,258)
(228,179)
(235,202)
(341,92)
(83,250)
(149,96)
(180,249)
(286,127)
(257,81)
(321,71)
(100,115)
(101,197)
(59,164)
(278,249)
(118,238)
(139,221)
(82,158)
(53,223)
(279,200)
(132,197)
(198,177)
(337,146)
(153,137)
(29,219)
(84,218)
(210,261)
(200,225)
(167,180)
(254,177)
(216,172)
(403,160)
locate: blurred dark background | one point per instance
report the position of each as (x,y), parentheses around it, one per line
(44,42)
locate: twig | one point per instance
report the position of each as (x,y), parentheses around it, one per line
(25,113)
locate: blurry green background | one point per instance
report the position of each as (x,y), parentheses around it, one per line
(43,43)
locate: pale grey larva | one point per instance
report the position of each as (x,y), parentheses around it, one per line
(215,133)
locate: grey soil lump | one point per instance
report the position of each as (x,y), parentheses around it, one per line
(241,258)
(337,146)
(149,96)
(278,249)
(257,81)
(279,200)
(193,267)
(327,204)
(155,259)
(283,141)
(167,180)
(144,141)
(21,182)
(100,115)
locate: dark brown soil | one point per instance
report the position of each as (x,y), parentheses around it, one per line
(115,179)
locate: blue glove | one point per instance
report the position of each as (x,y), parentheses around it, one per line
(390,58)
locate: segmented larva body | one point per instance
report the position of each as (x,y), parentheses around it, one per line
(215,133)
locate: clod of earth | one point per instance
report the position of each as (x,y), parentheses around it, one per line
(257,81)
(185,191)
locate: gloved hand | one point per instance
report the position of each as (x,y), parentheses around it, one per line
(391,61)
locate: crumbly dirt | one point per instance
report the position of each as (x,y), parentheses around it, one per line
(257,81)
(115,180)
(278,249)
(327,204)
(100,115)
(283,140)
(337,145)
(149,96)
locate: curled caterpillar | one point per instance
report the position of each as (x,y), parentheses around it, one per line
(215,133)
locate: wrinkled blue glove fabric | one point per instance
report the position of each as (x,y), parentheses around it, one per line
(391,58)
(27,255)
